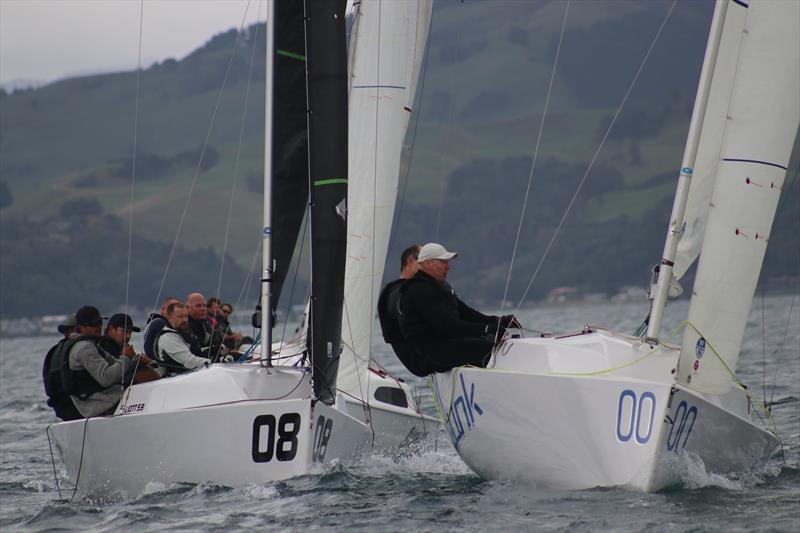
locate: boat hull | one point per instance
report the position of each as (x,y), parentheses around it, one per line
(562,430)
(234,443)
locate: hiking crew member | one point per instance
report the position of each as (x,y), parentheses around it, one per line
(173,353)
(116,342)
(206,343)
(443,331)
(155,322)
(57,398)
(92,377)
(388,303)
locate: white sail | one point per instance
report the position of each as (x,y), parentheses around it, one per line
(759,131)
(708,151)
(387,46)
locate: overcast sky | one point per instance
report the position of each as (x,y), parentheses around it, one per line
(45,40)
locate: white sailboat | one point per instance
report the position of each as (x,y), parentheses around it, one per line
(237,424)
(598,408)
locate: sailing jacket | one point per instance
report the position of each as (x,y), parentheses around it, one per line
(388,314)
(430,310)
(94,378)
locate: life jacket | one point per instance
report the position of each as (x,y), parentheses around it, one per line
(151,331)
(78,383)
(171,366)
(57,397)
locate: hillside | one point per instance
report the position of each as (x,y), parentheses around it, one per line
(475,127)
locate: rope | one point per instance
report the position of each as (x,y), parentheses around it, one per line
(218,292)
(133,179)
(200,160)
(535,155)
(737,381)
(133,155)
(785,334)
(596,154)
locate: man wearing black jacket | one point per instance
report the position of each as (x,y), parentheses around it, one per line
(388,312)
(444,331)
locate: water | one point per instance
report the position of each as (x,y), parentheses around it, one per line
(431,491)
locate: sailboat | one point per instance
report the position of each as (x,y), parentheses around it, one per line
(237,424)
(600,408)
(387,43)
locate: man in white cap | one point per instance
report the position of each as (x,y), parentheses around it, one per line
(444,331)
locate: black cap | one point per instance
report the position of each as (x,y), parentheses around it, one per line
(122,320)
(68,324)
(88,316)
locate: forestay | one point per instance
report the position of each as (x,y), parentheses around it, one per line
(757,136)
(386,50)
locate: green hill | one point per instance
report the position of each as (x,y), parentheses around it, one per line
(475,126)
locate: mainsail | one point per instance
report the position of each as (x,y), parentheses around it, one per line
(327,133)
(387,46)
(290,138)
(756,139)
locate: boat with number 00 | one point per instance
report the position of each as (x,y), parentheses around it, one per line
(598,408)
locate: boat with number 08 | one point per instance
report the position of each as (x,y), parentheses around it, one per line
(237,424)
(598,408)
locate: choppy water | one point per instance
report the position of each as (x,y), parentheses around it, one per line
(431,491)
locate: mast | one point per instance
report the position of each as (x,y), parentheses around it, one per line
(326,67)
(685,176)
(266,249)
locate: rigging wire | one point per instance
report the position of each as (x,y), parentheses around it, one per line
(133,182)
(202,155)
(133,154)
(218,292)
(303,231)
(596,154)
(535,156)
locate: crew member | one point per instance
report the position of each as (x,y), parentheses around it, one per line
(443,331)
(388,312)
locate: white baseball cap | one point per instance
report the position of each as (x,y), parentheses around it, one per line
(434,250)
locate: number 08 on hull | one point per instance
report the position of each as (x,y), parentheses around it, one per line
(242,436)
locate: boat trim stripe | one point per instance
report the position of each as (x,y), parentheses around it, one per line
(756,161)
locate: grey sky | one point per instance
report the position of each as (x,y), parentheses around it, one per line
(45,40)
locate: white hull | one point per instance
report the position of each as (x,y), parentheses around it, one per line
(391,412)
(574,413)
(393,415)
(228,424)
